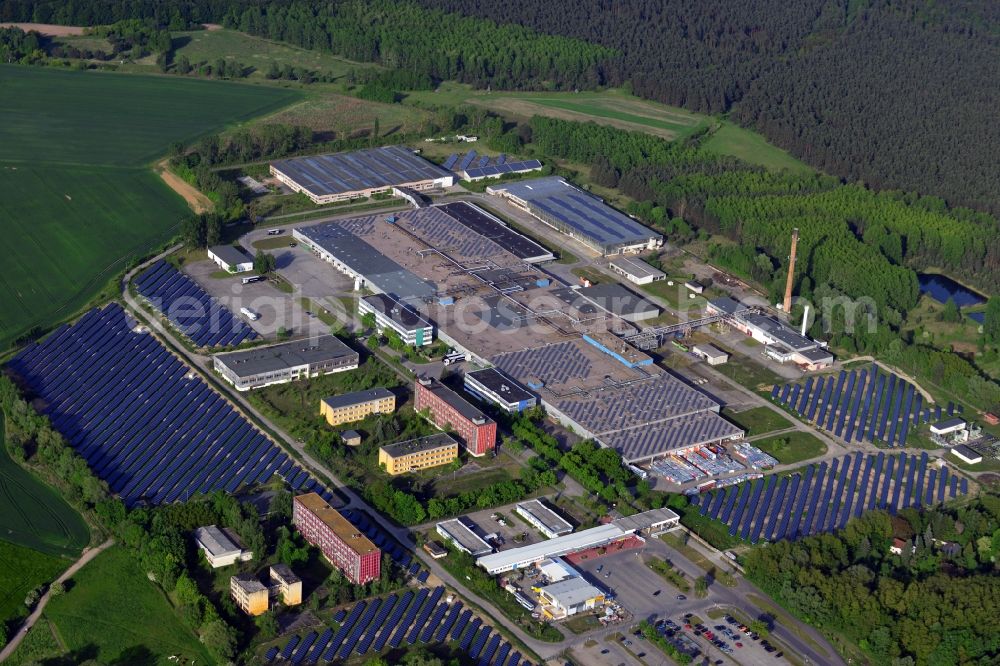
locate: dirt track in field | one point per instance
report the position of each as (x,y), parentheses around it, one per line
(47,29)
(196,201)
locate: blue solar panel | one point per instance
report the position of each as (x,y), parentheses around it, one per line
(122,401)
(467,160)
(463,620)
(450,162)
(817,393)
(470,635)
(843,405)
(780,528)
(883,498)
(861,390)
(289,646)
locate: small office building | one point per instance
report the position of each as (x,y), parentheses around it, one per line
(569,597)
(355,406)
(416,454)
(966,454)
(285,362)
(249,594)
(231,258)
(491,385)
(391,314)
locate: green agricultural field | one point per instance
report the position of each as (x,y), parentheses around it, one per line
(257,52)
(114,614)
(34,515)
(747,145)
(23,569)
(77,198)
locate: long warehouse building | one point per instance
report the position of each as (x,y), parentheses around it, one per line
(579,215)
(363,173)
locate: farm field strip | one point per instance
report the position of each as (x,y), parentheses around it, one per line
(33,515)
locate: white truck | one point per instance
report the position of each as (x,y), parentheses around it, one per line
(250,314)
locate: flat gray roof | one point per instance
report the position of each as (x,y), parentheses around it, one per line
(383,273)
(817,354)
(285,355)
(464,535)
(553,521)
(646,519)
(618,300)
(231,254)
(950,423)
(581,211)
(339,173)
(400,313)
(636,267)
(501,384)
(571,591)
(727,305)
(710,350)
(419,444)
(536,552)
(215,541)
(779,331)
(357,397)
(648,441)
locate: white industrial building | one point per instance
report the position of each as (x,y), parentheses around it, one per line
(231,258)
(781,342)
(569,597)
(285,362)
(964,453)
(636,270)
(948,426)
(710,353)
(221,548)
(462,537)
(493,386)
(547,521)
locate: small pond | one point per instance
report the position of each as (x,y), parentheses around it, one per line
(942,287)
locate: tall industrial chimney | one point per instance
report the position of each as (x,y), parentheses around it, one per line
(787,305)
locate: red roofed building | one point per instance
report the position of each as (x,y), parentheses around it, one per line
(477,431)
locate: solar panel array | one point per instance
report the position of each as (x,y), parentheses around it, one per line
(825,497)
(450,162)
(189,308)
(413,617)
(499,169)
(143,423)
(861,405)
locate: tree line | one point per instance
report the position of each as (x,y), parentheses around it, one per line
(898,95)
(930,604)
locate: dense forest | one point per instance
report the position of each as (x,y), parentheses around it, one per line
(899,94)
(424,43)
(937,602)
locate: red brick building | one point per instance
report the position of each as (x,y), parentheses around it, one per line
(342,544)
(477,431)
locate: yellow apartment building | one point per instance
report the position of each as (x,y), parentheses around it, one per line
(355,406)
(421,453)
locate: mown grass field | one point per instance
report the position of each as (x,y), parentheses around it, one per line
(23,569)
(731,139)
(257,52)
(34,515)
(758,420)
(791,447)
(111,612)
(76,196)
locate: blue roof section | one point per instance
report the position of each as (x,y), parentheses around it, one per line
(325,175)
(582,213)
(130,409)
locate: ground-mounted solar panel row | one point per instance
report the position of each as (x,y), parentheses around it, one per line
(190,309)
(142,421)
(375,624)
(825,497)
(867,405)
